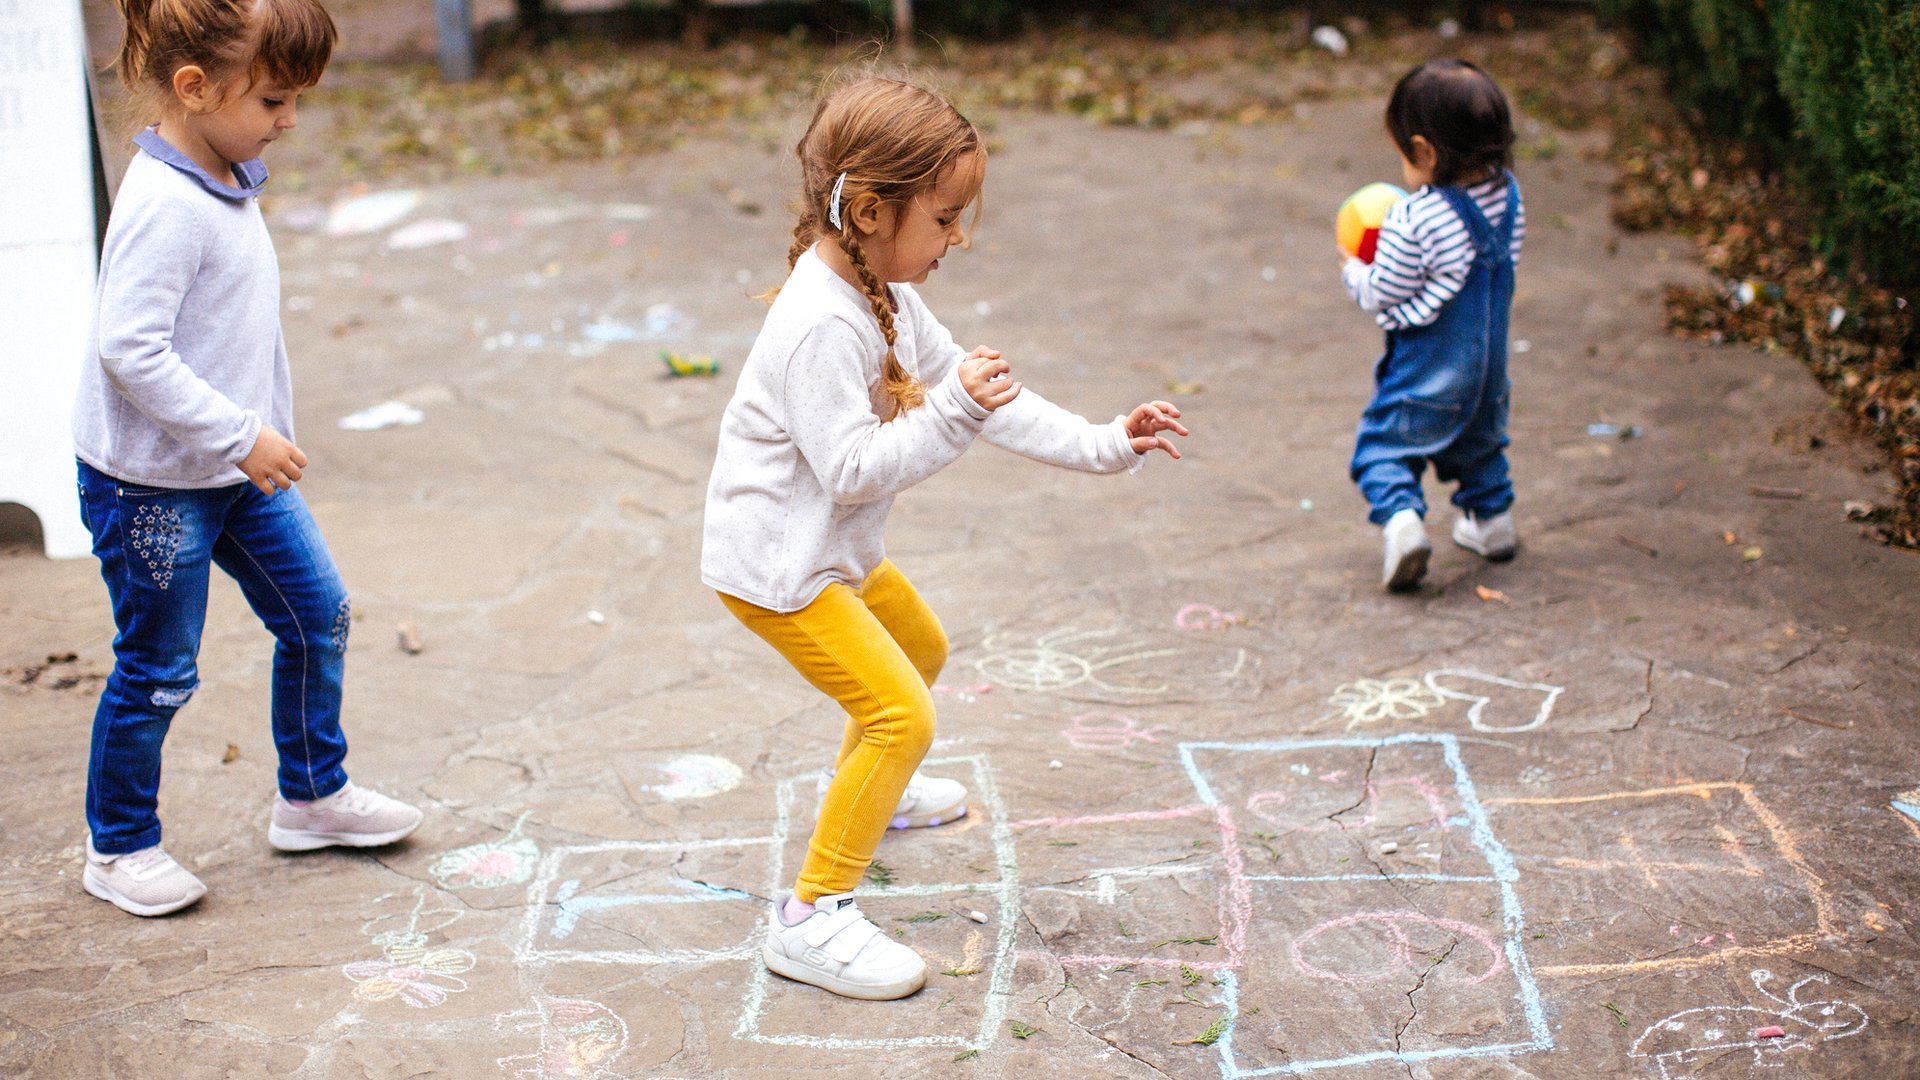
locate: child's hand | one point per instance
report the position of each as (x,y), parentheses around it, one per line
(274,463)
(988,379)
(1145,424)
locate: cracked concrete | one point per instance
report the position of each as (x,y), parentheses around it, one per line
(1580,865)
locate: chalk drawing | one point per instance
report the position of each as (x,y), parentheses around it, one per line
(1434,680)
(964,694)
(1388,931)
(571,907)
(1002,896)
(696,776)
(1677,1042)
(555,906)
(579,1040)
(1093,659)
(507,861)
(1505,952)
(1266,805)
(1365,702)
(1107,731)
(1370,701)
(1205,617)
(1784,842)
(1650,870)
(407,968)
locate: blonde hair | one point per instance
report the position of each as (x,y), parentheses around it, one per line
(290,41)
(891,140)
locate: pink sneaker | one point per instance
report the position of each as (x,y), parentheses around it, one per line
(351,817)
(146,882)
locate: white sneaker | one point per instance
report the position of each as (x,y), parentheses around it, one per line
(930,801)
(1494,538)
(145,882)
(351,817)
(840,950)
(1405,538)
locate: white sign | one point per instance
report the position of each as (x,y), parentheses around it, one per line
(47,259)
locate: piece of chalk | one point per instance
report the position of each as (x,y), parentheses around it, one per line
(977,916)
(1771,1033)
(1055,764)
(1389,848)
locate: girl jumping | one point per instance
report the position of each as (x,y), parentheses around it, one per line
(853,393)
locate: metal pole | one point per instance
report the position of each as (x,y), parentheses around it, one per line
(903,25)
(454,29)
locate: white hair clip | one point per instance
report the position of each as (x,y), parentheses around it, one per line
(833,203)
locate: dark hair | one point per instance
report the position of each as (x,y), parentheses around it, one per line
(1461,111)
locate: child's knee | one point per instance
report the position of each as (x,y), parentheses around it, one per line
(908,721)
(321,626)
(931,656)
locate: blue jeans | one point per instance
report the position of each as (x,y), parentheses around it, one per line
(156,547)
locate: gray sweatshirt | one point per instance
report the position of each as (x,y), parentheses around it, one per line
(186,334)
(806,471)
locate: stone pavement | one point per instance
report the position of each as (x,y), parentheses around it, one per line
(1618,808)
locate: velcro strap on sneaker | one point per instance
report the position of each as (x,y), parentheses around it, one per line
(847,943)
(823,930)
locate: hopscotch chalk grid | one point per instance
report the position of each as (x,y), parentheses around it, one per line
(1002,892)
(1502,876)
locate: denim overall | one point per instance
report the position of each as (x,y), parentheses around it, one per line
(1440,390)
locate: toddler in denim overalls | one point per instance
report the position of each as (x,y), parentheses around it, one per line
(1441,284)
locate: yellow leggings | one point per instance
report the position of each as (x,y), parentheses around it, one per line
(876,650)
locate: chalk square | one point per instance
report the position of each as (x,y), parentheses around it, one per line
(1224,775)
(955,1009)
(1146,886)
(1330,964)
(1331,811)
(971,961)
(1656,858)
(647,902)
(959,852)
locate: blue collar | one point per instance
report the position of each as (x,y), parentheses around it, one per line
(251,174)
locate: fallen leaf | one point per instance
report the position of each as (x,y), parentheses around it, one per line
(1729,537)
(1490,595)
(232,755)
(1752,554)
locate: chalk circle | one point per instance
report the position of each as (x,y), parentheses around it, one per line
(1389,929)
(696,776)
(1035,669)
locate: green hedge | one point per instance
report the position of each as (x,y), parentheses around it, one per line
(1830,89)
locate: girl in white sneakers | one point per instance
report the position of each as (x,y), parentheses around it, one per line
(184,430)
(852,394)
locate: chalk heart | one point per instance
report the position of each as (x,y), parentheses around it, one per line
(1494,704)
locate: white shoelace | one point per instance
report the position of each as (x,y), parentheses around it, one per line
(144,861)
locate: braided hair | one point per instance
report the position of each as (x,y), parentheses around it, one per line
(890,140)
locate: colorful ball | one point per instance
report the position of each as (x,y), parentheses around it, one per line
(1357,226)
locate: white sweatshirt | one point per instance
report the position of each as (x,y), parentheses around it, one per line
(189,359)
(806,471)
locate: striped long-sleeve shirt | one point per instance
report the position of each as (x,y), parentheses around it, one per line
(1424,255)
